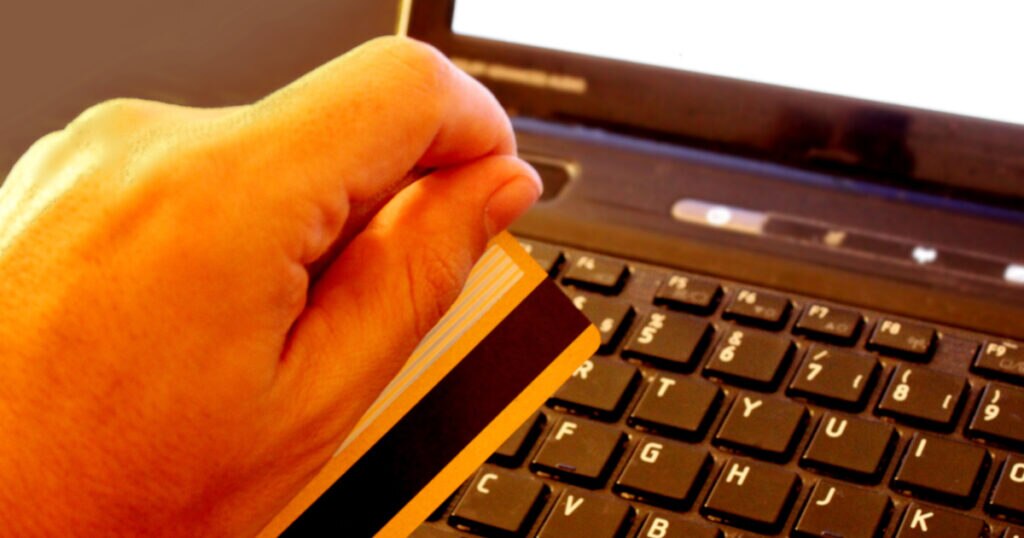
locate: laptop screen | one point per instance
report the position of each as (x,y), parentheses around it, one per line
(954,57)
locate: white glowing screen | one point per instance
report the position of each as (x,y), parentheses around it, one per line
(960,57)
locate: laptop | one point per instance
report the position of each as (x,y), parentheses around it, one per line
(799,228)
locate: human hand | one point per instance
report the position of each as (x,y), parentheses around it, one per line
(197,305)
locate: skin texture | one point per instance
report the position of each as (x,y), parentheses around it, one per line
(197,305)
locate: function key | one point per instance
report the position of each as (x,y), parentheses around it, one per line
(751,358)
(941,469)
(1007,497)
(609,315)
(921,521)
(835,509)
(1003,359)
(499,501)
(596,273)
(850,447)
(547,256)
(766,427)
(677,406)
(681,292)
(600,387)
(661,525)
(752,495)
(834,377)
(579,513)
(1000,416)
(922,396)
(758,308)
(579,451)
(664,472)
(903,338)
(514,449)
(669,340)
(838,325)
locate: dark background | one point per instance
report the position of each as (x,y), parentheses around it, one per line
(58,57)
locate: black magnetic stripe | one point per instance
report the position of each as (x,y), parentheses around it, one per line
(448,417)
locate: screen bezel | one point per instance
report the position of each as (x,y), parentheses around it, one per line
(915,148)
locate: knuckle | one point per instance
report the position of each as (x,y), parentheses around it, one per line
(120,111)
(419,64)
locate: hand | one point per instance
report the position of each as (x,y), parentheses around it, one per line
(197,305)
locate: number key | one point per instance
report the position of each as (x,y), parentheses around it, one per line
(1000,416)
(832,376)
(923,396)
(669,340)
(750,358)
(610,316)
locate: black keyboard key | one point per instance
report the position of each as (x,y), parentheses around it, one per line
(600,387)
(1007,497)
(835,509)
(661,525)
(1003,359)
(903,338)
(596,273)
(610,316)
(669,340)
(1014,532)
(941,469)
(763,426)
(580,452)
(697,295)
(921,521)
(515,448)
(499,502)
(750,358)
(752,495)
(850,447)
(425,531)
(835,377)
(663,472)
(925,397)
(1000,416)
(758,308)
(547,256)
(677,406)
(831,323)
(578,513)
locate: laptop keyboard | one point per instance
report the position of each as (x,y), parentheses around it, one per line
(717,409)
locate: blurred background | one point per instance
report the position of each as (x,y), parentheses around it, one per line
(60,57)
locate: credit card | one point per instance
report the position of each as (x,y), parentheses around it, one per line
(506,344)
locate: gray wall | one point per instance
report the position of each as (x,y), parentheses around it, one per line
(60,56)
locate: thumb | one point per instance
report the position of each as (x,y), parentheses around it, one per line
(396,279)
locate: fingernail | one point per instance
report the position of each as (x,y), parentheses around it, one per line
(510,201)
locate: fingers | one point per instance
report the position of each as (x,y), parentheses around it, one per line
(358,126)
(396,279)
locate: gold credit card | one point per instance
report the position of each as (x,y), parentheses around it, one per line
(507,343)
